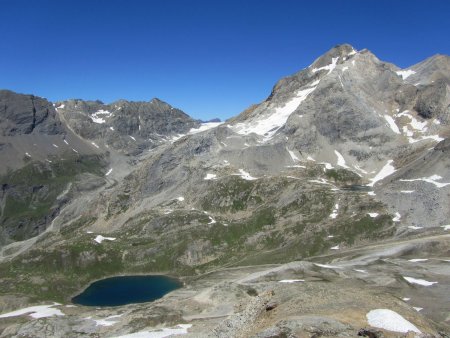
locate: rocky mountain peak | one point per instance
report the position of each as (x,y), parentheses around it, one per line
(334,56)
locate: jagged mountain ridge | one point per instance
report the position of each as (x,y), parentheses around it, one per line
(334,160)
(126,126)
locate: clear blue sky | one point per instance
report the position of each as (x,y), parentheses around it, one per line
(209,58)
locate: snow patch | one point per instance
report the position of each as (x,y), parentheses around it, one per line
(373,214)
(407,191)
(204,126)
(335,247)
(159,333)
(371,193)
(413,227)
(432,179)
(387,170)
(422,282)
(246,176)
(334,213)
(210,177)
(291,281)
(389,320)
(293,156)
(446,227)
(180,198)
(392,124)
(416,260)
(95,145)
(397,217)
(211,220)
(358,168)
(320,181)
(26,154)
(65,141)
(269,125)
(74,151)
(99,116)
(326,266)
(108,321)
(108,172)
(329,67)
(405,73)
(99,239)
(55,145)
(132,137)
(328,166)
(39,311)
(341,160)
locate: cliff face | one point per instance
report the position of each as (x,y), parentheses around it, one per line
(27,114)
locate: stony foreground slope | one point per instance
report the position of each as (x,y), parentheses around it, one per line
(347,154)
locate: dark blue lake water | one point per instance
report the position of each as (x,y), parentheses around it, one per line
(123,290)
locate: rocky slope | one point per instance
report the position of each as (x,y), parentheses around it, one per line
(343,155)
